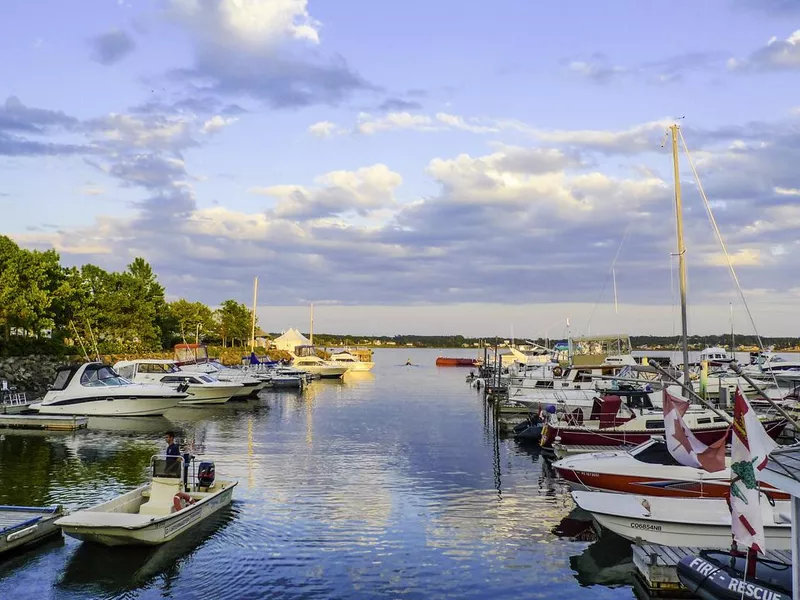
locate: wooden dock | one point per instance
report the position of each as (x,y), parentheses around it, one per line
(657,574)
(49,422)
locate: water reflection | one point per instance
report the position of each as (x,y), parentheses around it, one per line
(99,572)
(385,484)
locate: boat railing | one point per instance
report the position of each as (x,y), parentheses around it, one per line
(9,396)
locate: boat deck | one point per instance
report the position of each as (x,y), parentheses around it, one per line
(562,451)
(50,422)
(656,568)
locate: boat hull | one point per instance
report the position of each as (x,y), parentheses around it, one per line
(23,527)
(444,361)
(574,436)
(690,522)
(113,407)
(200,395)
(157,531)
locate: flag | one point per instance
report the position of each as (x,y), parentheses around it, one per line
(682,443)
(750,450)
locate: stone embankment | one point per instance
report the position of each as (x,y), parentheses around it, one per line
(30,374)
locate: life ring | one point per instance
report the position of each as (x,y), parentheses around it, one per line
(178,499)
(557,371)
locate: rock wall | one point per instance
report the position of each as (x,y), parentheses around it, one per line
(30,374)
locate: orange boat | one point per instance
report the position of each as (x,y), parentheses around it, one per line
(443,361)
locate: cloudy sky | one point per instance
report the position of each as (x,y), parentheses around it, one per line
(426,167)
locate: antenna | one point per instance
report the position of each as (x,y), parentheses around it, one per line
(614,277)
(80,341)
(94,342)
(253,326)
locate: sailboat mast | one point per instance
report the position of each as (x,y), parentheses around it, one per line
(311,332)
(733,338)
(253,323)
(674,129)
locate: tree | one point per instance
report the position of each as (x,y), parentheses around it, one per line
(29,282)
(188,315)
(234,321)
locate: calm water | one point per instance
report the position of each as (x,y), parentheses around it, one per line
(387,485)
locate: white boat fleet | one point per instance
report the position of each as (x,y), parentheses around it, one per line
(150,387)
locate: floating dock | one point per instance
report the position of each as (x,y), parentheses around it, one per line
(26,526)
(657,573)
(49,422)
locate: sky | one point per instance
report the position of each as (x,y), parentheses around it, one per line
(416,167)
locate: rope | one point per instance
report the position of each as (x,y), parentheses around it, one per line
(724,250)
(609,274)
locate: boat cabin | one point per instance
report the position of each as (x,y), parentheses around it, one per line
(88,375)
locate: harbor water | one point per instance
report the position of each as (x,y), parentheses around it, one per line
(390,484)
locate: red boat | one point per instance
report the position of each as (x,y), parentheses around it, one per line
(614,424)
(648,469)
(443,361)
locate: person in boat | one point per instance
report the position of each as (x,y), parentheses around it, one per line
(173,449)
(408,362)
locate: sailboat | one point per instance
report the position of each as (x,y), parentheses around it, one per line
(611,422)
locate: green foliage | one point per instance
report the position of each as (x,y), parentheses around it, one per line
(234,322)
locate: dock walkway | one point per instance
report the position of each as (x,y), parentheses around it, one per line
(50,422)
(656,568)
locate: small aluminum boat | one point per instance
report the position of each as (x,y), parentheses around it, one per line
(26,525)
(157,512)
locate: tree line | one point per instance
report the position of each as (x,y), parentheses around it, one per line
(48,307)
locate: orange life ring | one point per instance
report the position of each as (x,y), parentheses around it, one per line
(177,501)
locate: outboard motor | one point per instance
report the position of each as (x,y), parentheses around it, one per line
(205,474)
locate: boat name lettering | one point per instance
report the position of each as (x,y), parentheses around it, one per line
(702,567)
(588,474)
(181,523)
(753,591)
(645,526)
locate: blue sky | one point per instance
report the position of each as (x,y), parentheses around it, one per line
(417,166)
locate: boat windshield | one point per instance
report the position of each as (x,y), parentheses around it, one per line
(102,376)
(656,454)
(206,378)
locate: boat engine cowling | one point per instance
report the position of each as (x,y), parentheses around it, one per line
(205,474)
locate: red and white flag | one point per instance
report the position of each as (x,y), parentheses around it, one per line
(682,443)
(750,450)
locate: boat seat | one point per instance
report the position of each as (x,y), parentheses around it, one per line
(162,491)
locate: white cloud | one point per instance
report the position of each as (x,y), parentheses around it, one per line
(368,124)
(777,55)
(155,133)
(457,122)
(746,257)
(362,191)
(217,123)
(254,22)
(322,129)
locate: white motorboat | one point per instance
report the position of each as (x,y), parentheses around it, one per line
(194,358)
(201,388)
(170,504)
(648,469)
(306,359)
(96,390)
(692,522)
(352,362)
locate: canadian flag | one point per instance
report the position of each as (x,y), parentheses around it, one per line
(682,443)
(750,450)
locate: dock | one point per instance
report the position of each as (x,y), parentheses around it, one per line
(657,574)
(48,422)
